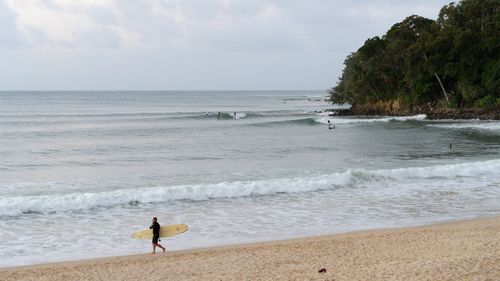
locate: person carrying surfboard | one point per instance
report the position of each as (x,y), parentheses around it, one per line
(156,235)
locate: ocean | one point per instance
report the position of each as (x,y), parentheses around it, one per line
(81,171)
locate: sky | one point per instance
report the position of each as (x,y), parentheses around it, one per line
(189,44)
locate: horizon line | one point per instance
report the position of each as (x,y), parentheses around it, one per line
(144,90)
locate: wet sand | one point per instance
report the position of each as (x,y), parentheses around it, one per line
(467,250)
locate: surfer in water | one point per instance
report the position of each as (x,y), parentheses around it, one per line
(330,125)
(156,235)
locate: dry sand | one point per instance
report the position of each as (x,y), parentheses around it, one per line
(468,250)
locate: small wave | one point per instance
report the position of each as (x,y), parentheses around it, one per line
(30,212)
(239,115)
(484,126)
(349,120)
(233,115)
(472,169)
(301,121)
(13,206)
(242,115)
(254,114)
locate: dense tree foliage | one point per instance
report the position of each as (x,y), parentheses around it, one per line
(452,61)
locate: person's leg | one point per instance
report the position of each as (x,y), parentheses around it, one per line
(163,248)
(155,242)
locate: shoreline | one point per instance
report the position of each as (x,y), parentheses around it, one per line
(289,254)
(243,244)
(432,114)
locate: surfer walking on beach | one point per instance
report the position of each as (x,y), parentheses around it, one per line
(156,235)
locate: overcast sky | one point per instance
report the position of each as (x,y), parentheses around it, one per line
(188,45)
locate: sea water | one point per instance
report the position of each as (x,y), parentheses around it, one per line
(81,171)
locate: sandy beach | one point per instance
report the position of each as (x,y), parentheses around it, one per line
(467,250)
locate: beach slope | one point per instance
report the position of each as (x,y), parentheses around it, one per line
(468,250)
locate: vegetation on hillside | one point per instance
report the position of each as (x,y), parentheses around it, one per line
(453,61)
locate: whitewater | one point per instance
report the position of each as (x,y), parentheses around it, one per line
(81,169)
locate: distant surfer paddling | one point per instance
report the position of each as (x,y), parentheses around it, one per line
(156,235)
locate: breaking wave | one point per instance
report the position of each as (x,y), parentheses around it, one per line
(41,204)
(351,120)
(484,126)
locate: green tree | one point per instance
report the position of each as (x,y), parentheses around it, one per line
(454,60)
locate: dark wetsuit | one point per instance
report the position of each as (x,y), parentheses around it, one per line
(156,232)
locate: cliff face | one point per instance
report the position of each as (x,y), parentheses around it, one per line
(390,108)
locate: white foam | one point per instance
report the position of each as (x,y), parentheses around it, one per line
(474,169)
(349,120)
(484,125)
(12,206)
(240,115)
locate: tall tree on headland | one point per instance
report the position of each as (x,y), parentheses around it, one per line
(452,61)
